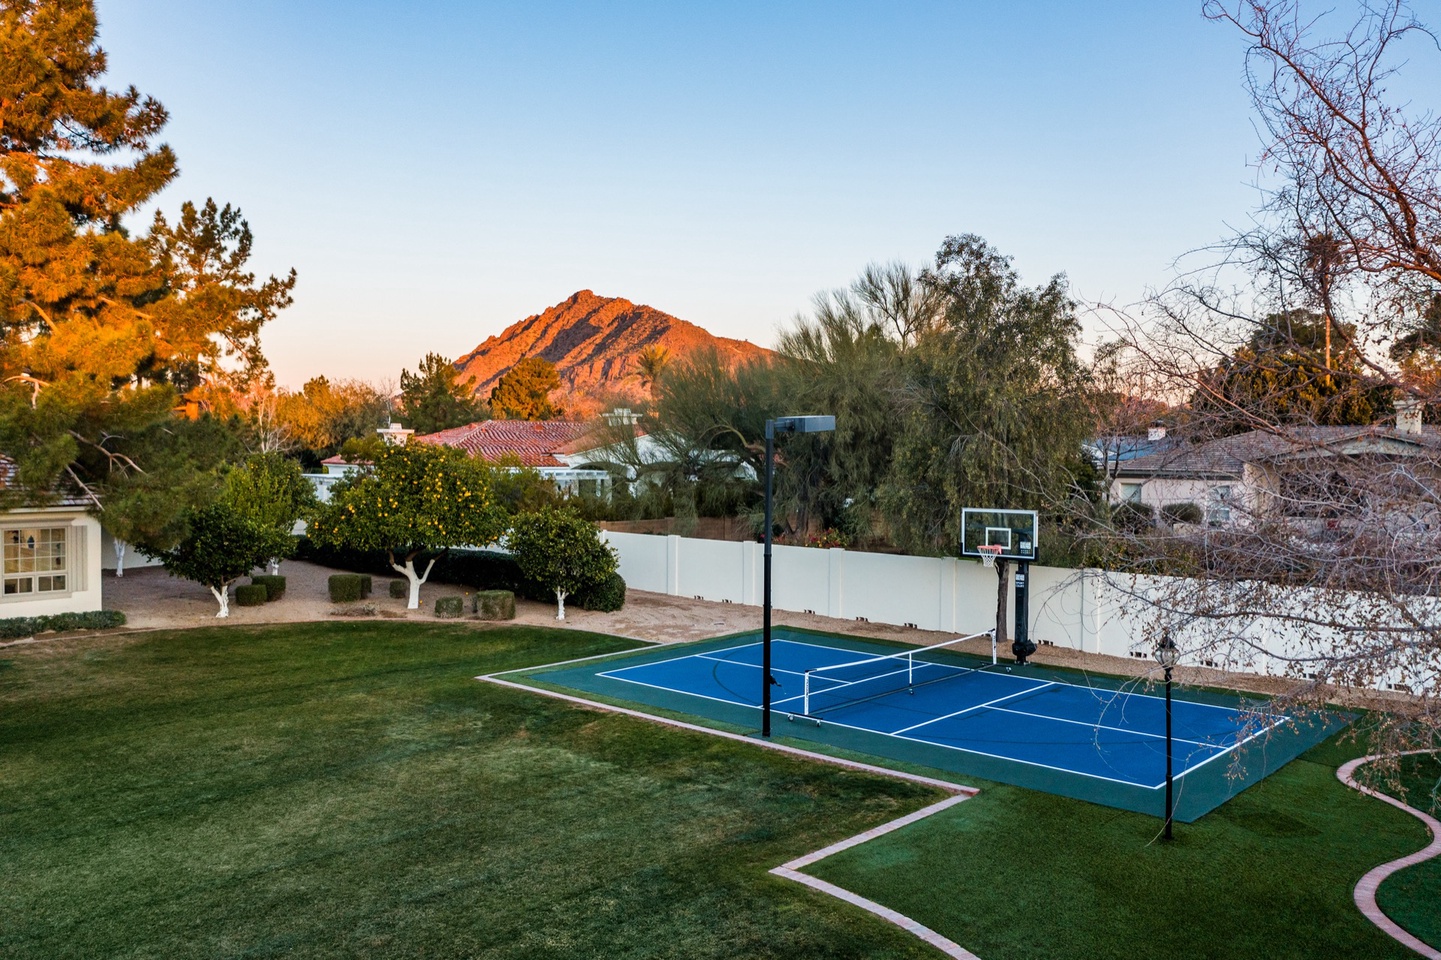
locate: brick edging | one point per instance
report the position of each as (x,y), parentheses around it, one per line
(791,869)
(1365,893)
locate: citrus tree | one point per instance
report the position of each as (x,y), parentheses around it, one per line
(222,546)
(413,498)
(560,550)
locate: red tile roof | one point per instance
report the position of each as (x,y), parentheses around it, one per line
(534,443)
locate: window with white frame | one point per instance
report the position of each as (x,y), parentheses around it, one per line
(35,560)
(1131,492)
(1219,510)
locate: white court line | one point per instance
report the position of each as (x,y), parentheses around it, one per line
(979,706)
(1097,725)
(946,746)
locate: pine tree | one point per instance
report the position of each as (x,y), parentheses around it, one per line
(103,331)
(523,392)
(433,400)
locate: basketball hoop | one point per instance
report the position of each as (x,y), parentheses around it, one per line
(989,552)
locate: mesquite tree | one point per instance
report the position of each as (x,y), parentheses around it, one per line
(414,498)
(560,550)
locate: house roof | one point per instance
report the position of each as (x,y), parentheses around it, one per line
(1227,457)
(535,443)
(64,494)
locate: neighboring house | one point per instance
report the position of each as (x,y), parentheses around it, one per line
(565,451)
(1319,473)
(51,555)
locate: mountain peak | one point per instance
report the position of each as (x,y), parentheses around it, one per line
(593,342)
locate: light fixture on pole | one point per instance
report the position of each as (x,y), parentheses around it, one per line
(1166,655)
(773,427)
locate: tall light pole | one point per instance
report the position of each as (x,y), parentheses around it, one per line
(779,425)
(1167,655)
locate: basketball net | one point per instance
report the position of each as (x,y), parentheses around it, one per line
(989,552)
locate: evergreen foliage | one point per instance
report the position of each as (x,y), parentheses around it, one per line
(560,550)
(251,595)
(274,585)
(221,546)
(414,498)
(523,392)
(344,587)
(449,607)
(432,399)
(14,627)
(103,330)
(494,605)
(1282,377)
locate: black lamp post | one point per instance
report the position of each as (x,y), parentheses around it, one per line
(1167,655)
(779,425)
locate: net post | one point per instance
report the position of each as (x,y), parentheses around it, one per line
(992,632)
(911,668)
(806,695)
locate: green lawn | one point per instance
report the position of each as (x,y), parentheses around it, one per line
(346,789)
(1413,897)
(1015,874)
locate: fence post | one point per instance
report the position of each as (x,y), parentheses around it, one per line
(836,575)
(672,565)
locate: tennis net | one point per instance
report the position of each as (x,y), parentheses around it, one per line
(838,685)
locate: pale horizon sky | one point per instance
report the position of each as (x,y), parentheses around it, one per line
(437,172)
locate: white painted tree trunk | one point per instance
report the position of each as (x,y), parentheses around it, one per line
(223,596)
(120,558)
(275,566)
(560,596)
(415,579)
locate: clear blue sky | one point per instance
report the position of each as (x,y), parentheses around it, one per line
(436,171)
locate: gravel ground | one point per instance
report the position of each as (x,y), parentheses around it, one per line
(152,600)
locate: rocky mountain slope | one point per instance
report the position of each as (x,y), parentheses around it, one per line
(593,342)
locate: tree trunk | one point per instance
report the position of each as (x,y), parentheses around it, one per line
(415,579)
(560,596)
(223,596)
(275,566)
(1003,567)
(120,558)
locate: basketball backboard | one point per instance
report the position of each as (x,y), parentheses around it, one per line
(1015,531)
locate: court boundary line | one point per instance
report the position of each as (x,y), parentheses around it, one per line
(790,870)
(988,705)
(708,655)
(791,716)
(1365,893)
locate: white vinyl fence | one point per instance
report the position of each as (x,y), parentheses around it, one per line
(1087,610)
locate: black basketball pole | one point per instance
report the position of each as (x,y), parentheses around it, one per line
(1022,646)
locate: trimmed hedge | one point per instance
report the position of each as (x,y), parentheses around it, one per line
(399,589)
(479,569)
(494,605)
(1174,513)
(345,587)
(449,607)
(16,627)
(605,597)
(251,595)
(366,585)
(274,585)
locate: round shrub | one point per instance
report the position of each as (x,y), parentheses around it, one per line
(399,589)
(274,585)
(606,596)
(1133,517)
(449,607)
(1174,513)
(494,604)
(250,595)
(345,587)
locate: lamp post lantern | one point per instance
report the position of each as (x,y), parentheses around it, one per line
(1166,655)
(778,425)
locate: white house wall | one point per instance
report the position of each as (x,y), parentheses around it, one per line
(83,572)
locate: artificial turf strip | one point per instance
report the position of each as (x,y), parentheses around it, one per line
(1016,874)
(329,790)
(1412,897)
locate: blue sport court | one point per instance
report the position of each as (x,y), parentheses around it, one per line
(1087,737)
